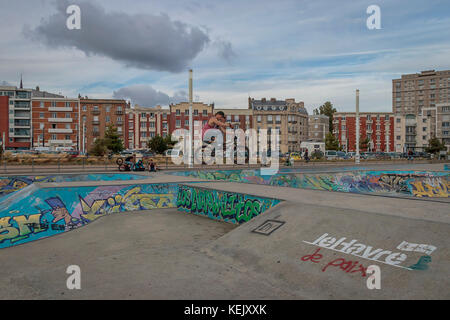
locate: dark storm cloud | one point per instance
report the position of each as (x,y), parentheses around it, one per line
(147,96)
(141,40)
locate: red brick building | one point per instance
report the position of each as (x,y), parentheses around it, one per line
(55,123)
(4,122)
(377,126)
(95,117)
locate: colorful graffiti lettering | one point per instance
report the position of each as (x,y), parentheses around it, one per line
(62,209)
(219,205)
(405,183)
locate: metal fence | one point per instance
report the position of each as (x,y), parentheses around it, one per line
(63,164)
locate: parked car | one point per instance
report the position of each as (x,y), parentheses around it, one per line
(295,156)
(331,155)
(341,155)
(173,152)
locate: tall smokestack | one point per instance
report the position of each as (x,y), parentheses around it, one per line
(191,125)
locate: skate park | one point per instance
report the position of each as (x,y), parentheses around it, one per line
(236,234)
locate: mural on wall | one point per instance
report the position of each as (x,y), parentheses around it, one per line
(406,183)
(220,205)
(49,211)
(9,185)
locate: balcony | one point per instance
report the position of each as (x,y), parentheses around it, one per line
(61,142)
(95,122)
(119,112)
(64,120)
(96,112)
(96,133)
(61,109)
(61,130)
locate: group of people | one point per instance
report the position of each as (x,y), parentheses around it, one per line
(139,165)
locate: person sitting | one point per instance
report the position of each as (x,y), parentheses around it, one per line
(129,161)
(139,165)
(152,166)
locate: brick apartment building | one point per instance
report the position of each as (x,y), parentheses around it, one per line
(55,123)
(15,112)
(95,117)
(377,126)
(144,123)
(318,127)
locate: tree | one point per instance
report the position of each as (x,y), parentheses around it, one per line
(99,148)
(158,144)
(331,142)
(328,110)
(169,141)
(435,146)
(364,143)
(112,140)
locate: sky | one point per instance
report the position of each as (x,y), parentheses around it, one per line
(141,50)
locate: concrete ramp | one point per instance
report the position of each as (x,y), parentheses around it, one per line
(320,252)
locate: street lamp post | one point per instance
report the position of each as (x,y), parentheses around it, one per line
(357,127)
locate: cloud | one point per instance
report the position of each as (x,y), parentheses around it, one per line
(147,96)
(147,41)
(225,49)
(5,83)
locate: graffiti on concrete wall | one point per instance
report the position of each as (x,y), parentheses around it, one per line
(9,185)
(405,183)
(219,205)
(49,211)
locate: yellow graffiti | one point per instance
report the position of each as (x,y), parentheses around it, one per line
(9,232)
(431,188)
(131,201)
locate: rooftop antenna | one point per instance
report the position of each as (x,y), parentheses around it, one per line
(21,83)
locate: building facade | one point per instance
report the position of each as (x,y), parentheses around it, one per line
(55,123)
(377,127)
(319,126)
(95,117)
(16,109)
(413,92)
(144,123)
(443,123)
(287,116)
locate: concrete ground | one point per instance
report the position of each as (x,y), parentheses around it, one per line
(142,255)
(167,254)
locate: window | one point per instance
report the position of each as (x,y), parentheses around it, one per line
(54,115)
(68,115)
(119,108)
(205,113)
(53,103)
(54,137)
(278,119)
(41,126)
(164,116)
(67,137)
(195,112)
(108,108)
(41,115)
(424,129)
(178,123)
(186,112)
(84,108)
(398,137)
(258,118)
(152,124)
(41,104)
(84,118)
(186,123)
(398,120)
(143,125)
(67,104)
(67,126)
(269,119)
(236,118)
(143,115)
(108,119)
